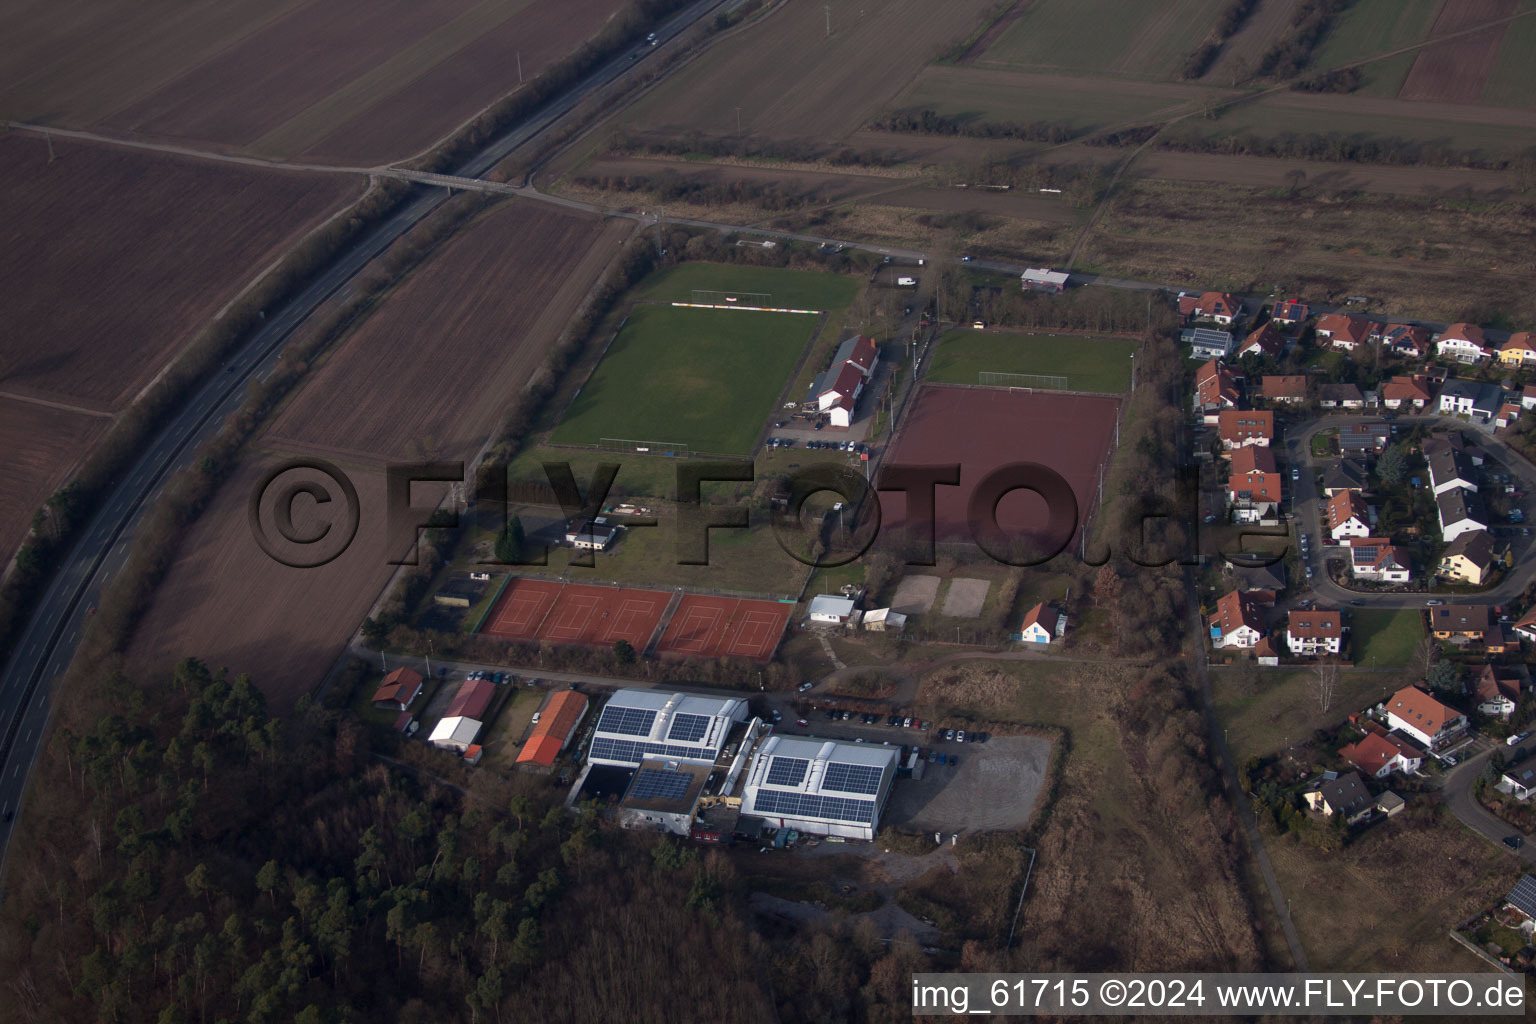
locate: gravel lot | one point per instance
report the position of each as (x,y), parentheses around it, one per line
(993,788)
(966,597)
(915,594)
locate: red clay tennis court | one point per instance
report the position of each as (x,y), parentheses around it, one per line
(725,627)
(576,613)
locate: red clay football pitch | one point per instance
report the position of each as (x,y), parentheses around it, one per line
(982,429)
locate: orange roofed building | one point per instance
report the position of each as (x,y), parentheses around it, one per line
(557,724)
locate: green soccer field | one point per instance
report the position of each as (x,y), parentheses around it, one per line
(707,378)
(1088,363)
(790,289)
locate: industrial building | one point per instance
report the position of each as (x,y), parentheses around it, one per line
(557,724)
(823,787)
(664,795)
(678,726)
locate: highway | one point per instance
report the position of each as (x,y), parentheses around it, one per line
(48,642)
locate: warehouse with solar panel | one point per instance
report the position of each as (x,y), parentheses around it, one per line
(637,724)
(822,787)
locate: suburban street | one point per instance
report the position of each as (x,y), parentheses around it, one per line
(1297,450)
(47,643)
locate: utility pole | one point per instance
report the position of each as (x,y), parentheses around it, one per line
(738,120)
(829,21)
(519,67)
(49,139)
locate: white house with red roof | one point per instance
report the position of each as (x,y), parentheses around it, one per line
(1344,330)
(1378,559)
(1042,624)
(1312,632)
(1221,307)
(1409,391)
(1348,516)
(1464,343)
(837,389)
(1254,497)
(1237,621)
(1265,341)
(1423,718)
(1379,755)
(1290,312)
(1241,427)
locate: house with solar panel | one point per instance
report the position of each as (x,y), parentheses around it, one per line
(637,724)
(822,787)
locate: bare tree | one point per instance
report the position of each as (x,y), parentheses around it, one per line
(1425,653)
(1325,682)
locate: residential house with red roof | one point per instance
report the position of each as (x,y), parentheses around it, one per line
(1426,721)
(1519,350)
(1497,690)
(398,690)
(1312,632)
(1240,427)
(1290,312)
(1253,461)
(1221,307)
(1289,387)
(1265,341)
(1344,330)
(1459,622)
(1042,624)
(1378,560)
(1237,621)
(1407,340)
(1216,388)
(1464,343)
(1472,558)
(1380,754)
(1525,627)
(836,390)
(1254,497)
(1348,516)
(1406,391)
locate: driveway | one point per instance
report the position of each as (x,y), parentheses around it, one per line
(1457,791)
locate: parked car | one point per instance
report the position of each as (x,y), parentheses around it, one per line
(1516,738)
(536,715)
(806,686)
(833,715)
(801,722)
(949,735)
(1514,842)
(847,715)
(960,736)
(1357,602)
(1433,602)
(953,760)
(933,757)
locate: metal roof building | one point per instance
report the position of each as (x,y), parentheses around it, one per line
(820,786)
(680,726)
(664,794)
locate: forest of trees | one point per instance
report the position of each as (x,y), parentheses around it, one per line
(228,866)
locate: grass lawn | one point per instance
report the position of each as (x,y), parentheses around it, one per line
(511,724)
(1385,639)
(1146,40)
(791,289)
(1088,363)
(1265,710)
(1323,443)
(705,378)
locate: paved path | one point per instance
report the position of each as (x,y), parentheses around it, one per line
(1457,791)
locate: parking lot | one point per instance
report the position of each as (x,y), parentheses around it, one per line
(994,787)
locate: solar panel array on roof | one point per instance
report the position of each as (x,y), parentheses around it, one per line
(634,750)
(1523,895)
(629,721)
(808,805)
(787,771)
(852,778)
(652,783)
(688,728)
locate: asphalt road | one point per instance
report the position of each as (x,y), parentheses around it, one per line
(1457,792)
(49,639)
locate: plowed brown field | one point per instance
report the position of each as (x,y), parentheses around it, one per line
(1456,70)
(429,372)
(41,444)
(225,601)
(115,257)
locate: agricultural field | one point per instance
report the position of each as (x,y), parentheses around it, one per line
(788,78)
(707,379)
(1449,258)
(226,600)
(342,82)
(41,443)
(1146,40)
(999,95)
(1510,82)
(1456,70)
(1367,27)
(428,373)
(117,257)
(1089,364)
